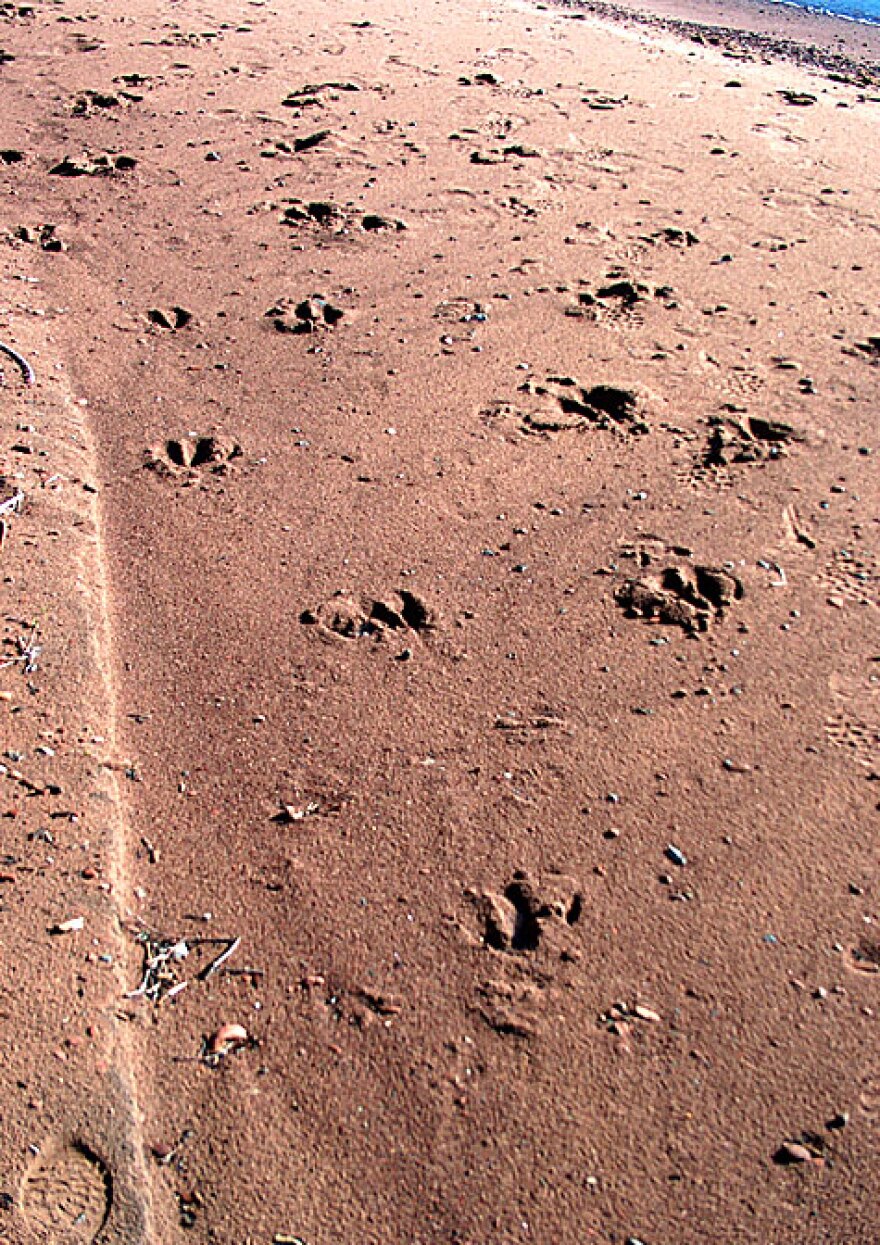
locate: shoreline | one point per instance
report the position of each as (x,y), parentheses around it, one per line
(841,48)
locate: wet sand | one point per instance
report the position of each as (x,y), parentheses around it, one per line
(439,686)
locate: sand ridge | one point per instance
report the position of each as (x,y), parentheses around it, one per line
(475,648)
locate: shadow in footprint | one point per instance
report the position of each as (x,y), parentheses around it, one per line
(352,618)
(169,317)
(519,919)
(676,591)
(187,457)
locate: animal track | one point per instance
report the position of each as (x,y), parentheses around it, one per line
(511,1008)
(103,164)
(67,1194)
(307,315)
(676,591)
(864,957)
(169,317)
(352,618)
(853,576)
(520,918)
(619,299)
(187,457)
(331,216)
(566,405)
(44,236)
(751,439)
(856,725)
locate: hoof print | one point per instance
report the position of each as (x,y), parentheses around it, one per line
(401,614)
(679,593)
(188,457)
(529,911)
(169,317)
(67,1194)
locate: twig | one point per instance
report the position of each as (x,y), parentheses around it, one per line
(26,370)
(17,776)
(231,949)
(12,504)
(28,651)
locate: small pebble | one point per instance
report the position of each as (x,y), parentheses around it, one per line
(647,1013)
(793,1152)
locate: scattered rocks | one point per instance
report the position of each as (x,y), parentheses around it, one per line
(318,212)
(619,298)
(870,348)
(672,236)
(88,102)
(620,1016)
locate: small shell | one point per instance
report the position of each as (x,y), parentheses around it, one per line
(228,1035)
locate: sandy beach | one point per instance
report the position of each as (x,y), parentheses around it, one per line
(439,677)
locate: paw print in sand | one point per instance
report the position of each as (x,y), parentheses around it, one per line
(347,617)
(675,591)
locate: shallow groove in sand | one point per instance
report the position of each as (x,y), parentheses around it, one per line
(116,1179)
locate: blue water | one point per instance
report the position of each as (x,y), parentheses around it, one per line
(853,10)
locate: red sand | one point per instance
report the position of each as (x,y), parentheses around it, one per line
(497,660)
